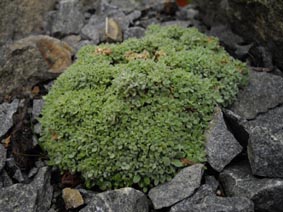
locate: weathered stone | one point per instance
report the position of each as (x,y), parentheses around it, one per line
(3,153)
(37,107)
(120,200)
(6,116)
(262,93)
(5,180)
(134,32)
(72,198)
(221,146)
(211,181)
(37,128)
(19,18)
(257,20)
(180,187)
(68,19)
(14,170)
(134,16)
(73,41)
(177,23)
(28,197)
(267,194)
(32,60)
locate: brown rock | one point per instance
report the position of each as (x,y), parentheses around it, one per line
(32,60)
(72,198)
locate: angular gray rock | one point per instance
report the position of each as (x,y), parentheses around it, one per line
(205,200)
(37,107)
(120,200)
(267,194)
(68,19)
(31,60)
(134,32)
(180,187)
(14,170)
(6,116)
(33,197)
(262,93)
(3,153)
(221,145)
(5,180)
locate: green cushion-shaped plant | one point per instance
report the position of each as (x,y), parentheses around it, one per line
(135,113)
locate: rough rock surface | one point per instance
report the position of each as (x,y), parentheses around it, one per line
(258,21)
(267,194)
(68,19)
(19,18)
(5,180)
(262,93)
(37,107)
(6,116)
(120,200)
(35,197)
(134,32)
(72,198)
(32,60)
(180,187)
(221,146)
(3,153)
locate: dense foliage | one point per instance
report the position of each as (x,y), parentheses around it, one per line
(135,113)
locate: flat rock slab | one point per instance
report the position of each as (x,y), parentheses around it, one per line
(221,145)
(120,200)
(33,197)
(180,187)
(267,194)
(263,92)
(30,61)
(6,116)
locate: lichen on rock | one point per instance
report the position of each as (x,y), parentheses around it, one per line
(135,113)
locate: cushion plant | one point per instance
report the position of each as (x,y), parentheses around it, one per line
(133,114)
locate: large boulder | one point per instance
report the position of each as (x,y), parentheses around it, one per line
(120,200)
(221,145)
(19,18)
(257,20)
(180,187)
(31,60)
(267,194)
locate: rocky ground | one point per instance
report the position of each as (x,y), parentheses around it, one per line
(244,144)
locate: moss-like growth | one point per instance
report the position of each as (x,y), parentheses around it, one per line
(135,113)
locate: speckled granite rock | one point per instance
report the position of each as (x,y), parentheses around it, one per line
(6,116)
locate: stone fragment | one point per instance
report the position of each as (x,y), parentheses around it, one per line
(73,41)
(72,198)
(177,23)
(5,180)
(37,107)
(267,194)
(211,181)
(14,170)
(6,116)
(32,60)
(35,196)
(262,93)
(221,145)
(120,200)
(19,18)
(68,19)
(134,32)
(180,187)
(3,153)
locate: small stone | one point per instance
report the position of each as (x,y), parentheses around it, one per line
(6,116)
(134,32)
(68,19)
(37,107)
(120,200)
(73,41)
(177,23)
(5,179)
(266,193)
(221,145)
(72,198)
(134,16)
(33,172)
(262,94)
(14,170)
(180,187)
(212,182)
(3,153)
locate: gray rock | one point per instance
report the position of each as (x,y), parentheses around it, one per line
(3,153)
(73,41)
(212,182)
(37,107)
(177,23)
(267,194)
(134,32)
(120,200)
(204,200)
(134,16)
(95,28)
(180,187)
(30,61)
(14,170)
(262,93)
(68,19)
(33,197)
(221,145)
(5,180)
(265,152)
(6,116)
